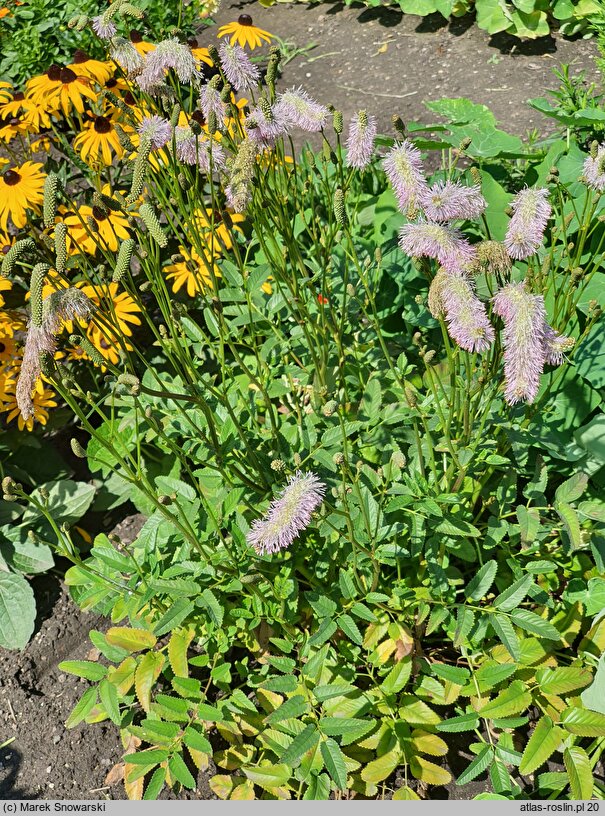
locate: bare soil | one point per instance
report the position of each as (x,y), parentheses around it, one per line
(386,62)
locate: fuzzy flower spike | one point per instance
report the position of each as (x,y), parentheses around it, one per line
(297,108)
(241,73)
(524,319)
(360,144)
(444,243)
(594,168)
(404,170)
(451,201)
(288,515)
(525,232)
(453,295)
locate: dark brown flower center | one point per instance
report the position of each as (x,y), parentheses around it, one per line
(98,214)
(129,98)
(104,344)
(111,83)
(80,56)
(11,177)
(136,36)
(218,216)
(192,42)
(198,117)
(2,348)
(5,249)
(102,124)
(67,76)
(244,19)
(18,96)
(54,72)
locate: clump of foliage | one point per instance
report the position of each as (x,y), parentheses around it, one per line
(359,409)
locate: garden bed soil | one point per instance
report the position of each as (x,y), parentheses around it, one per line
(390,63)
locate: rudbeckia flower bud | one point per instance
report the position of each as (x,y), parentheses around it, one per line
(51,184)
(151,221)
(123,262)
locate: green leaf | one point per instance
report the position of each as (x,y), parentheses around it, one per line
(330,690)
(491,674)
(17,611)
(544,741)
(397,678)
(178,769)
(583,723)
(350,628)
(293,707)
(334,762)
(464,623)
(349,729)
(194,739)
(268,777)
(177,651)
(512,700)
(318,788)
(563,679)
(455,526)
(285,684)
(152,756)
(571,524)
(83,668)
(514,594)
(66,501)
(578,766)
(480,764)
(174,616)
(572,489)
(155,785)
(211,603)
(303,742)
(464,722)
(506,634)
(452,674)
(534,624)
(82,708)
(109,698)
(132,640)
(480,584)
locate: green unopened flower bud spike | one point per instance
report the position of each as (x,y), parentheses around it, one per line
(123,261)
(49,209)
(151,221)
(13,255)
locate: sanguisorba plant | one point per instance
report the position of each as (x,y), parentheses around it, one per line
(319,377)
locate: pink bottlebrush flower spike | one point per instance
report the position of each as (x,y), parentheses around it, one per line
(451,201)
(296,107)
(288,515)
(467,320)
(360,144)
(241,73)
(594,169)
(404,170)
(445,244)
(525,232)
(157,130)
(524,319)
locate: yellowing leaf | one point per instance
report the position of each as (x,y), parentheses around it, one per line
(379,769)
(146,674)
(405,793)
(426,743)
(133,640)
(222,785)
(577,764)
(429,772)
(244,791)
(177,651)
(122,677)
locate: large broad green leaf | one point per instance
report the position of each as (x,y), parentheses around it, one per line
(17,611)
(493,16)
(67,501)
(544,741)
(22,553)
(594,696)
(497,201)
(592,437)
